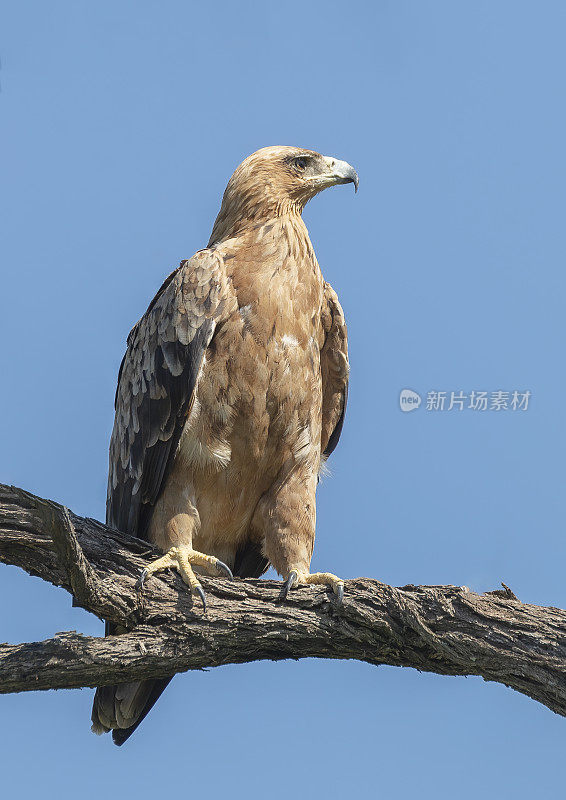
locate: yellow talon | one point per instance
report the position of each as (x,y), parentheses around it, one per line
(182,559)
(297,577)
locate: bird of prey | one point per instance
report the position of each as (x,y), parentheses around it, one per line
(230,397)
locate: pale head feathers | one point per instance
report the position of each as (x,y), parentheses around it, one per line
(273,182)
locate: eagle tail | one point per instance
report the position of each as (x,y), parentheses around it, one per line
(123,707)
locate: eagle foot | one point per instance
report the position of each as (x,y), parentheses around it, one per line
(182,559)
(298,578)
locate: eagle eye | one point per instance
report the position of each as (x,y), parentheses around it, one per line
(300,163)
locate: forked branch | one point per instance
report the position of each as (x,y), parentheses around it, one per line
(443,629)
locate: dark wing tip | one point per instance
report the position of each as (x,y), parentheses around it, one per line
(335,435)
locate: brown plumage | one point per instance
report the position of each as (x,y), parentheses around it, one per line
(231,394)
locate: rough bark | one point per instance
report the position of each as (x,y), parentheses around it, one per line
(443,629)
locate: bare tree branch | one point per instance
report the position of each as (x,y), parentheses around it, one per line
(443,629)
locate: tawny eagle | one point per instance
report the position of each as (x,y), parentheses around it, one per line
(230,397)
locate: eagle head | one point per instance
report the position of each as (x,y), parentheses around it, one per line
(277,180)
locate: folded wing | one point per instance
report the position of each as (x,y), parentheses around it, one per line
(335,370)
(156,386)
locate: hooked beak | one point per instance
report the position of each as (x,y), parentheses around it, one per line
(340,172)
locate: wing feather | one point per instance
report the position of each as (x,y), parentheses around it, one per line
(335,370)
(156,386)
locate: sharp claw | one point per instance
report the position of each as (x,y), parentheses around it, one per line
(200,591)
(291,578)
(340,594)
(222,567)
(141,580)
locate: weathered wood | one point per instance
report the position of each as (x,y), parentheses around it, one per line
(443,629)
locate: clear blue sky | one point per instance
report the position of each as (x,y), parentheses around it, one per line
(121,123)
